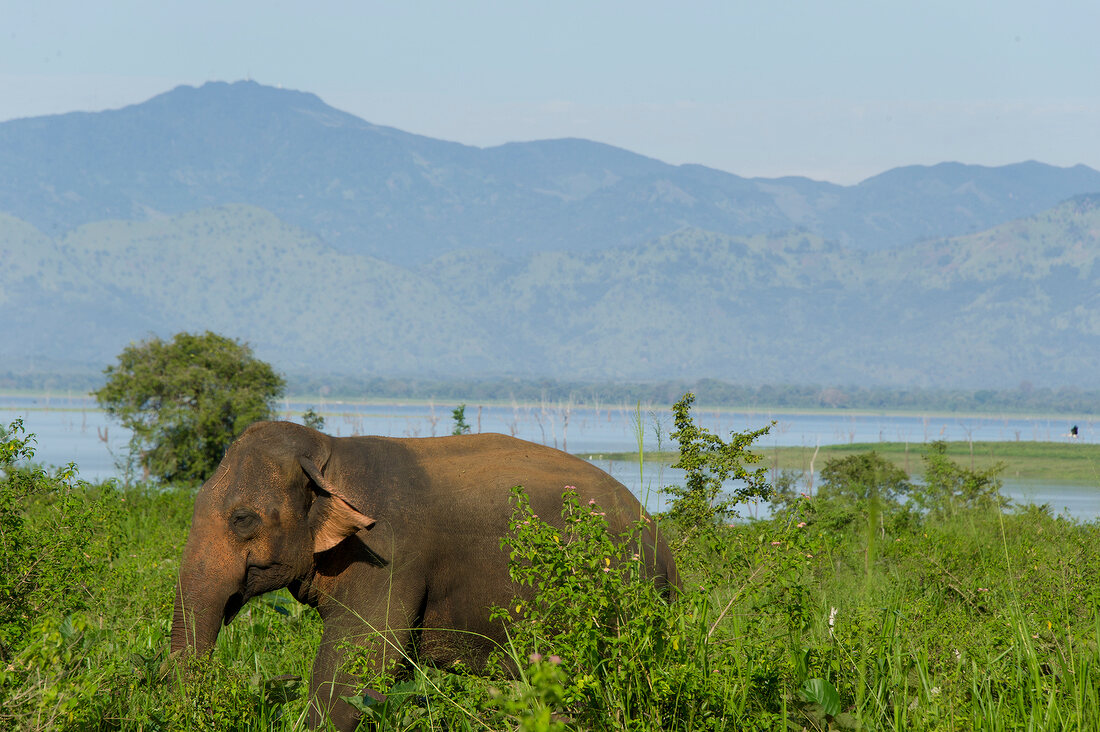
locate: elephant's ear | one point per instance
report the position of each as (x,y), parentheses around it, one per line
(331,518)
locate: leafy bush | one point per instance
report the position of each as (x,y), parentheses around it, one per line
(461,427)
(603,647)
(310,418)
(56,538)
(949,487)
(700,505)
(863,477)
(865,489)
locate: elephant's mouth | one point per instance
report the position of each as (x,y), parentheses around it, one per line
(258,580)
(265,578)
(232,606)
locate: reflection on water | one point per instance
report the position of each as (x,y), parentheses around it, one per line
(70,428)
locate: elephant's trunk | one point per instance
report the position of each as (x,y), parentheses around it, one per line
(207,594)
(195,624)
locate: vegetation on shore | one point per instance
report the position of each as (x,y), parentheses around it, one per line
(1057,462)
(843,399)
(875,604)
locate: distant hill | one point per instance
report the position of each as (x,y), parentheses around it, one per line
(1018,302)
(370,190)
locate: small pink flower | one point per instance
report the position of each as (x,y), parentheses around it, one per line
(556,660)
(802,525)
(570,487)
(591,501)
(776,543)
(983,589)
(607,569)
(809,556)
(535,657)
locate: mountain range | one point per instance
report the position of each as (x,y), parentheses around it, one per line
(1020,302)
(336,246)
(404,198)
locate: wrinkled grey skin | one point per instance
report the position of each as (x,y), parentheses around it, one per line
(396,542)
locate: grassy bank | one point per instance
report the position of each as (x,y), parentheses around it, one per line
(1059,462)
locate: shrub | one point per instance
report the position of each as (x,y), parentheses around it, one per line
(602,645)
(310,418)
(461,426)
(56,539)
(863,477)
(701,504)
(949,487)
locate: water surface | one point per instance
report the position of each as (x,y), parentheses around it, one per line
(71,428)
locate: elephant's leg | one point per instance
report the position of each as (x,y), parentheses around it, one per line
(351,640)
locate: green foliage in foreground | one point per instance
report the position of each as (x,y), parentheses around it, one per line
(959,616)
(186,400)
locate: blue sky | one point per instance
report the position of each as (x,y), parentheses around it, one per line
(836,90)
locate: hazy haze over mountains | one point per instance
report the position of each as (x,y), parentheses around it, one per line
(335,245)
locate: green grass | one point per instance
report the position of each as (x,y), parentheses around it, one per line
(1060,462)
(820,618)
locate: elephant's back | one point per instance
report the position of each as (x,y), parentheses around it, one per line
(492,462)
(463,486)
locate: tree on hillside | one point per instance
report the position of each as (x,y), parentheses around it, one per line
(185,400)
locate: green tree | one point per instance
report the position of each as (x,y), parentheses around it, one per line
(310,418)
(709,461)
(863,477)
(185,400)
(949,487)
(867,487)
(55,538)
(461,426)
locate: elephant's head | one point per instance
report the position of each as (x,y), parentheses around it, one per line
(257,524)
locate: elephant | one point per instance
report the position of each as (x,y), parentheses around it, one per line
(395,541)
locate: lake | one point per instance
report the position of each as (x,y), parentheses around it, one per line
(71,428)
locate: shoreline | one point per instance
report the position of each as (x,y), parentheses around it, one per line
(1074,463)
(324,407)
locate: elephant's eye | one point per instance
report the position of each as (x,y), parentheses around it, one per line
(245,523)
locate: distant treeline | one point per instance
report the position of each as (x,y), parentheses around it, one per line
(78,382)
(709,392)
